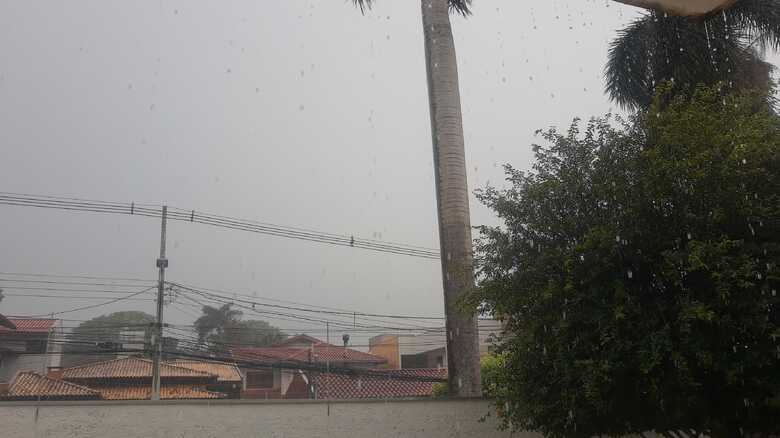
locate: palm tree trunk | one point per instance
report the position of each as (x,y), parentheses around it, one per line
(451,198)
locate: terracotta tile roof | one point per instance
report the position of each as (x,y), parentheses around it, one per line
(385,384)
(167,392)
(131,368)
(25,325)
(298,339)
(225,372)
(318,354)
(268,354)
(29,385)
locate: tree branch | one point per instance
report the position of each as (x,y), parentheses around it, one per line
(684,8)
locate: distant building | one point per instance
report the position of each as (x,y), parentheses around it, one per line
(128,379)
(131,379)
(427,350)
(31,386)
(229,379)
(285,370)
(27,345)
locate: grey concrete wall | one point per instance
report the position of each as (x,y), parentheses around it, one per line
(244,419)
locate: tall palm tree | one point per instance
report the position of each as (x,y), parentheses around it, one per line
(724,47)
(215,321)
(451,192)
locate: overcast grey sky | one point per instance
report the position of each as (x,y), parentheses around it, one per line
(301,113)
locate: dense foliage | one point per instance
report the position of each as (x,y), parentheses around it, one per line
(110,327)
(658,47)
(98,338)
(637,272)
(222,327)
(491,367)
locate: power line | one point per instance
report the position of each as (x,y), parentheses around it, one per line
(74,297)
(81,276)
(78,204)
(52,289)
(115,300)
(255,297)
(323,311)
(343,324)
(71,283)
(248,363)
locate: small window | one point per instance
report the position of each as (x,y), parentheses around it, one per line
(260,379)
(35,346)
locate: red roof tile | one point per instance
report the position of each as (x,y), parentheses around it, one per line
(225,372)
(25,325)
(131,368)
(167,392)
(298,339)
(29,385)
(384,384)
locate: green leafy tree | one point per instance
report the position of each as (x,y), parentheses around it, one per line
(212,323)
(254,333)
(117,327)
(491,370)
(637,273)
(723,47)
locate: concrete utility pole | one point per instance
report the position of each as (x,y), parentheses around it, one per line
(162,263)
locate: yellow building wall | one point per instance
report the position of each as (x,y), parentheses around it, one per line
(386,346)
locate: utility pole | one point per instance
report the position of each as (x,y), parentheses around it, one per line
(162,263)
(327,358)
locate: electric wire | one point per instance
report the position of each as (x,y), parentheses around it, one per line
(78,204)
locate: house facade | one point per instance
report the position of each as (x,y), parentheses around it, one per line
(287,369)
(130,378)
(26,344)
(427,350)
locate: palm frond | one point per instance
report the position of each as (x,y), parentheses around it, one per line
(657,48)
(627,65)
(462,7)
(759,20)
(363,5)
